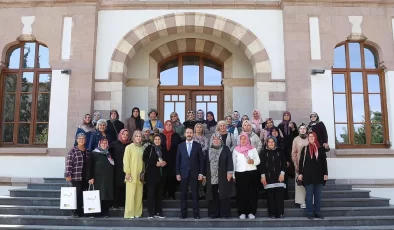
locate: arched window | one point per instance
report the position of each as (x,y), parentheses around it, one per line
(359,97)
(25,89)
(190,81)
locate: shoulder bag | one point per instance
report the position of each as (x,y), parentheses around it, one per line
(142,174)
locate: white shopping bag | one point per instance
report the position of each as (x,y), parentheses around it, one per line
(91,201)
(68,198)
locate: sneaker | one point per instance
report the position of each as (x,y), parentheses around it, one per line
(150,217)
(303,206)
(137,217)
(242,217)
(251,216)
(160,216)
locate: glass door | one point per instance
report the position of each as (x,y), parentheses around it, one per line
(208,101)
(174,101)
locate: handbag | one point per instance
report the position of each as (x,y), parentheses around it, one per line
(68,198)
(142,174)
(300,182)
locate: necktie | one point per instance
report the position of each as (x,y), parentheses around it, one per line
(189,148)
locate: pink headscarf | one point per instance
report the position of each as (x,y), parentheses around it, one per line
(120,137)
(257,122)
(244,149)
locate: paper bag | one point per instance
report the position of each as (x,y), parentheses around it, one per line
(91,201)
(68,198)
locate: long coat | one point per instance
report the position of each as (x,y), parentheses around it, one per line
(113,129)
(131,126)
(103,174)
(171,154)
(226,188)
(152,173)
(117,152)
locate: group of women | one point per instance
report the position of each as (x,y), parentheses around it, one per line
(119,159)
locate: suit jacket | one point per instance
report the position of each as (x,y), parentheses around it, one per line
(193,164)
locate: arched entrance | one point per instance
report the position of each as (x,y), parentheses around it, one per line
(201,23)
(190,81)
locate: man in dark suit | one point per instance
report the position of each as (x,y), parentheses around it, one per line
(189,170)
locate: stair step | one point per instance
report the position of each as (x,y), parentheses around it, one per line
(52,227)
(63,180)
(202,223)
(43,192)
(174,212)
(326,202)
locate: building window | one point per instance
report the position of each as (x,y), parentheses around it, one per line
(192,69)
(190,81)
(359,97)
(25,88)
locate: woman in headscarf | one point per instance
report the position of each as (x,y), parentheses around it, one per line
(191,120)
(146,137)
(219,169)
(289,131)
(200,138)
(116,150)
(298,143)
(272,170)
(314,173)
(86,128)
(319,128)
(100,133)
(178,126)
(253,138)
(77,171)
(267,131)
(96,117)
(155,159)
(257,121)
(210,125)
(169,145)
(246,159)
(200,116)
(133,165)
(228,139)
(244,118)
(102,173)
(134,122)
(114,125)
(204,142)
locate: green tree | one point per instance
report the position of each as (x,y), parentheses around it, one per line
(359,132)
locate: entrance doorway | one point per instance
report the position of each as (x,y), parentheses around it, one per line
(181,101)
(190,81)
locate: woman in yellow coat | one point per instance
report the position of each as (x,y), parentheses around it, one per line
(133,165)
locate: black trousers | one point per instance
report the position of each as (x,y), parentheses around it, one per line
(119,196)
(218,207)
(275,201)
(247,185)
(170,186)
(105,204)
(155,196)
(80,187)
(193,182)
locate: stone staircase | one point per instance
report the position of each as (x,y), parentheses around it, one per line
(37,207)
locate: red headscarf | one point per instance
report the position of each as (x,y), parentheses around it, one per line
(120,137)
(168,134)
(314,147)
(244,149)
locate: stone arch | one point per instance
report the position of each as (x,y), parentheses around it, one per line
(192,22)
(190,45)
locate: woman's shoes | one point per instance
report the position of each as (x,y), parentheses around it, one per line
(303,206)
(159,215)
(310,217)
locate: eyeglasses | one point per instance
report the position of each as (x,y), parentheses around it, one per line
(174,116)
